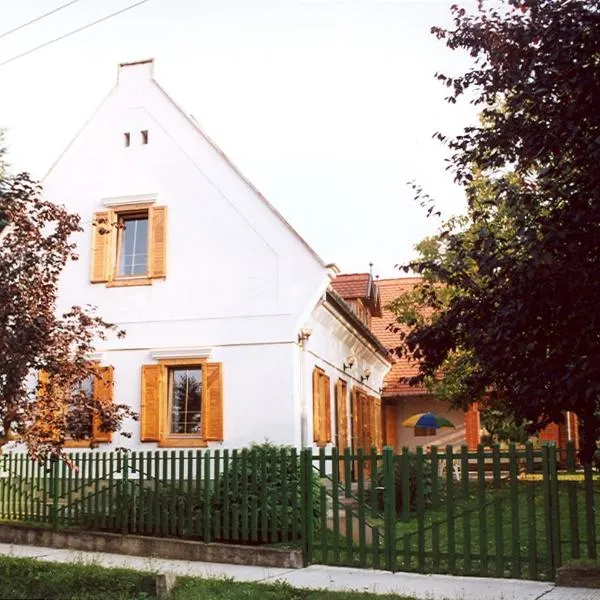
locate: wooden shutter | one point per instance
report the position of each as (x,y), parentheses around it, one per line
(103,392)
(377,434)
(102,245)
(158,241)
(317,427)
(390,425)
(152,399)
(355,424)
(342,415)
(42,381)
(326,408)
(212,409)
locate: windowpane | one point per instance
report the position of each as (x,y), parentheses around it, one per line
(185,391)
(77,419)
(133,250)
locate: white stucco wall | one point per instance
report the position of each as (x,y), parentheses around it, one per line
(249,416)
(332,341)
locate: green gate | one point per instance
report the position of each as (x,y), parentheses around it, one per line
(519,512)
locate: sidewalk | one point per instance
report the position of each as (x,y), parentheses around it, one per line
(426,587)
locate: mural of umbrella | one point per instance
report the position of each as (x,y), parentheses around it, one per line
(427,420)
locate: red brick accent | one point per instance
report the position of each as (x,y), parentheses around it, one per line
(472,426)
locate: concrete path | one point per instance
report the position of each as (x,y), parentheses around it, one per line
(426,587)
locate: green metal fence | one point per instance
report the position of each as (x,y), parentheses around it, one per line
(518,513)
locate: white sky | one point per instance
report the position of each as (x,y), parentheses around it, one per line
(327,106)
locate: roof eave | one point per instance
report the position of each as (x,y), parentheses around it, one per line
(344,309)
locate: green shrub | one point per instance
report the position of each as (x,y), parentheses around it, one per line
(378,482)
(271,481)
(261,476)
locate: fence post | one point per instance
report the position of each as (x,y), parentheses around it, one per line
(307,505)
(389,508)
(54,488)
(125,492)
(547,487)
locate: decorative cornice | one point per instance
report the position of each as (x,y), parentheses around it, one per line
(133,199)
(170,353)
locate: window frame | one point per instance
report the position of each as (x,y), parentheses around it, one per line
(180,440)
(106,248)
(122,216)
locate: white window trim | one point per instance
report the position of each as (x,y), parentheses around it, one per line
(175,353)
(132,200)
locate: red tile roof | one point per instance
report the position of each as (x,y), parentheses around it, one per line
(353,285)
(390,289)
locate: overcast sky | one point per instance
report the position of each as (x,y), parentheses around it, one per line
(327,106)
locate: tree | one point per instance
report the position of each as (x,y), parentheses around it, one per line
(34,339)
(522,271)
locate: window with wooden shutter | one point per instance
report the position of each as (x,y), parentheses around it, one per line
(377,425)
(102,244)
(182,403)
(341,415)
(129,245)
(390,425)
(317,427)
(213,403)
(321,408)
(98,388)
(103,392)
(158,242)
(152,392)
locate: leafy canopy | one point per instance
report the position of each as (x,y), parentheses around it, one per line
(521,274)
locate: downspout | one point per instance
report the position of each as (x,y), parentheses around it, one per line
(303,336)
(568,426)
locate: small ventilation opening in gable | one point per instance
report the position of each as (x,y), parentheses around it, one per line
(144,133)
(127,139)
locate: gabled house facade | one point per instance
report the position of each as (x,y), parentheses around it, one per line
(234,334)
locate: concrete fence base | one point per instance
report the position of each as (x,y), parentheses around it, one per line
(586,576)
(139,545)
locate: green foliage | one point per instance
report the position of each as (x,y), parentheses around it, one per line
(267,479)
(30,579)
(521,274)
(271,482)
(378,483)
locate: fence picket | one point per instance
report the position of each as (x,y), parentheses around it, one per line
(451,525)
(514,514)
(498,533)
(589,511)
(206,485)
(335,503)
(531,513)
(572,496)
(483,541)
(466,524)
(362,533)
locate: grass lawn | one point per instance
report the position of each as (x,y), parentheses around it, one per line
(30,579)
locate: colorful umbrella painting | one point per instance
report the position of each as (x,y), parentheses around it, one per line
(427,420)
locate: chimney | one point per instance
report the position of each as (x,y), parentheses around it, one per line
(136,72)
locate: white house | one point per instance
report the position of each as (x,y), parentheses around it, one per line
(234,334)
